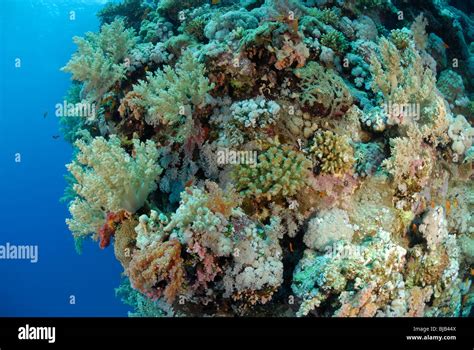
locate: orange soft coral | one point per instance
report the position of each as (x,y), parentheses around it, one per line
(108,229)
(158,270)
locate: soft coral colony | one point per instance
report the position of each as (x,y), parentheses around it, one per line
(359,200)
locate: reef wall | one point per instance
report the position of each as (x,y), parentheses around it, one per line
(279,157)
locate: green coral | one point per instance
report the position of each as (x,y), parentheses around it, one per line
(335,40)
(100,59)
(169,95)
(332,153)
(330,16)
(171,8)
(280,171)
(370,4)
(142,305)
(451,85)
(470,108)
(368,158)
(195,28)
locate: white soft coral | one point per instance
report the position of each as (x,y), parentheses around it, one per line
(109,179)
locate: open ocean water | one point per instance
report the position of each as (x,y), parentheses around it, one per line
(32,158)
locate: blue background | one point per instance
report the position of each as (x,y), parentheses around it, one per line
(39,32)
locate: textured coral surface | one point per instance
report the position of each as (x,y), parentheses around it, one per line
(279,157)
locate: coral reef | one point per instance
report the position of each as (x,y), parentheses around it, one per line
(110,180)
(278,158)
(280,171)
(333,154)
(100,60)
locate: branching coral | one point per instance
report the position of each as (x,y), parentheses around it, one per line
(323,90)
(332,153)
(100,59)
(110,180)
(410,170)
(400,76)
(169,95)
(280,171)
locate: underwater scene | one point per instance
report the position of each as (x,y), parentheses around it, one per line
(209,158)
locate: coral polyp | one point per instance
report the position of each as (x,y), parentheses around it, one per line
(247,153)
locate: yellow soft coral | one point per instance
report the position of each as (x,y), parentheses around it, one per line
(400,75)
(333,153)
(110,180)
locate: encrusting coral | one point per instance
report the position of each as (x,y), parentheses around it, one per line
(245,154)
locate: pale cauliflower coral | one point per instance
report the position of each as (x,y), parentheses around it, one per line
(257,264)
(328,227)
(203,218)
(462,135)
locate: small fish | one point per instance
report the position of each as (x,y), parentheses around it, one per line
(45,114)
(189,183)
(472,272)
(445,45)
(55,137)
(433,204)
(414,228)
(291,247)
(455,202)
(448,207)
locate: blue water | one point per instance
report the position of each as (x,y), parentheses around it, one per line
(39,32)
